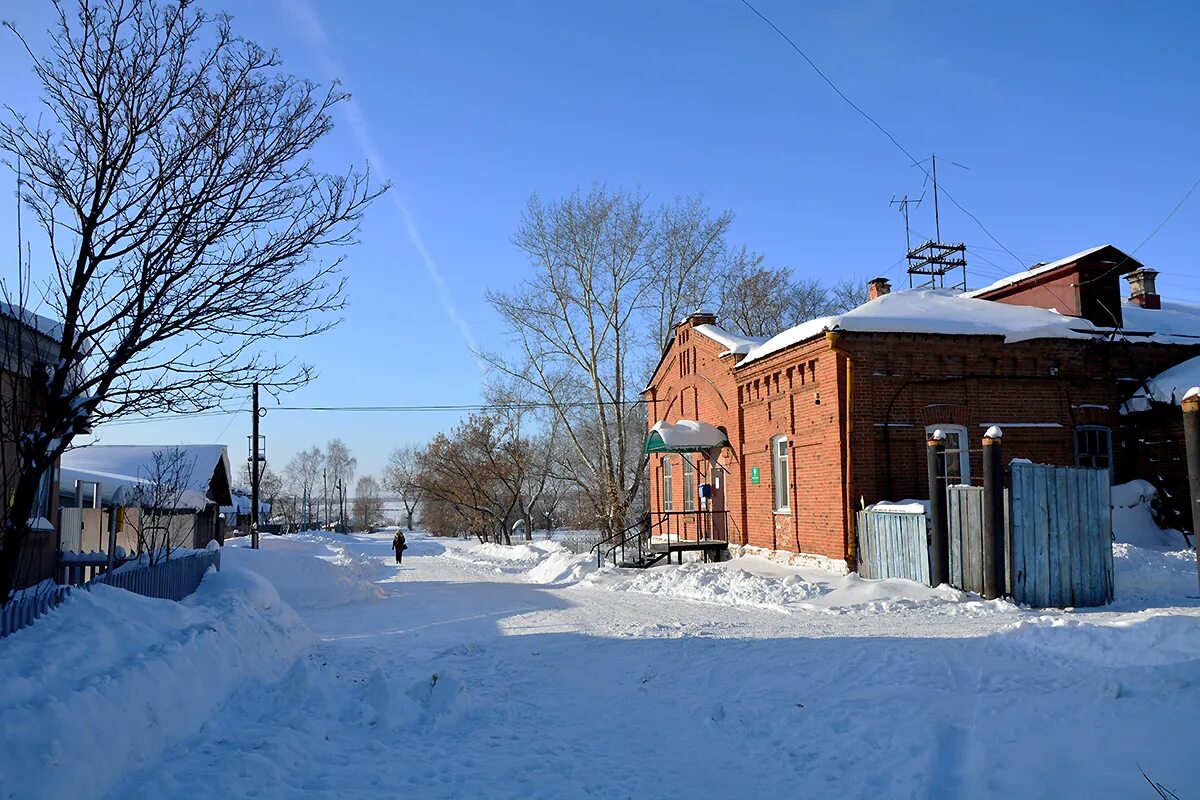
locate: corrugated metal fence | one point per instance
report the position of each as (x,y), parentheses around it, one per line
(1061,536)
(170,580)
(893,544)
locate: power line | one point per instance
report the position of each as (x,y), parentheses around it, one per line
(427,408)
(915,162)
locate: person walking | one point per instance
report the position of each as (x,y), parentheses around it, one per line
(399,545)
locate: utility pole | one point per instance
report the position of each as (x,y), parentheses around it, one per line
(254,473)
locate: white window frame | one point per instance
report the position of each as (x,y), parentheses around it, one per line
(963,450)
(668,484)
(1107,431)
(689,484)
(781,475)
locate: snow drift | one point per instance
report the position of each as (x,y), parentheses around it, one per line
(102,686)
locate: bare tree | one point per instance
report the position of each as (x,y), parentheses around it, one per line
(400,478)
(170,174)
(368,503)
(163,520)
(303,475)
(757,301)
(474,477)
(578,325)
(846,294)
(340,466)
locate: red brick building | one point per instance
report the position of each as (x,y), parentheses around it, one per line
(835,412)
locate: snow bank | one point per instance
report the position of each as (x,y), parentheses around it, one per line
(710,583)
(542,561)
(1133,640)
(311,571)
(756,582)
(102,686)
(1146,572)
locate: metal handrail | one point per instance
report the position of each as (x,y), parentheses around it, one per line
(642,532)
(620,539)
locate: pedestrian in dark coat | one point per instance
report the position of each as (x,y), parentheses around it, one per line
(399,545)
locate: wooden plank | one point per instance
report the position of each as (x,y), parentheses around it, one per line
(1089,527)
(1016,501)
(975,538)
(1104,545)
(954,524)
(1037,532)
(1065,517)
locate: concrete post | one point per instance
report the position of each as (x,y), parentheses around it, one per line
(1191,440)
(939,545)
(994,552)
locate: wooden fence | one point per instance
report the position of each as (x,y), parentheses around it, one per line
(169,580)
(1061,536)
(893,544)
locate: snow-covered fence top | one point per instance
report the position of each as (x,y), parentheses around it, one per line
(169,580)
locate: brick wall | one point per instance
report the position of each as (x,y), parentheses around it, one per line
(899,385)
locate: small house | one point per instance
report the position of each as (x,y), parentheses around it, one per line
(176,489)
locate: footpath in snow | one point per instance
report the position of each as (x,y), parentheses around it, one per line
(316,667)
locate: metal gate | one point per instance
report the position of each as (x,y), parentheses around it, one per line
(1061,536)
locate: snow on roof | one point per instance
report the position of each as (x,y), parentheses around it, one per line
(1174,323)
(1035,270)
(1168,386)
(41,324)
(732,342)
(242,505)
(684,436)
(121,468)
(936,311)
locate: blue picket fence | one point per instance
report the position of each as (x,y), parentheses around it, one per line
(1061,536)
(169,580)
(893,544)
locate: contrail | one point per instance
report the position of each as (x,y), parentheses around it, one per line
(306,16)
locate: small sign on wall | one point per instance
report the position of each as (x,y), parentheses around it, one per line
(755,477)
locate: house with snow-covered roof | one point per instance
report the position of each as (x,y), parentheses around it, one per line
(107,491)
(806,426)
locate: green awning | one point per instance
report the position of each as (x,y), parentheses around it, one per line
(684,436)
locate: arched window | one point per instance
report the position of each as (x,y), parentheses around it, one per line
(781,474)
(667,503)
(689,484)
(1093,446)
(958,456)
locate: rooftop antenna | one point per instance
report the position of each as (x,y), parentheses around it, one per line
(904,203)
(933,260)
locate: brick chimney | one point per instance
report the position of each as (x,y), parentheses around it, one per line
(1141,288)
(878,287)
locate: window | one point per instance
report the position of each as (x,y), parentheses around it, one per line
(689,484)
(779,459)
(958,459)
(667,503)
(40,515)
(1093,447)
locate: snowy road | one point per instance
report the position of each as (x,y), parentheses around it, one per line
(586,691)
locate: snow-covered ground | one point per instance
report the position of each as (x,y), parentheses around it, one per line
(485,671)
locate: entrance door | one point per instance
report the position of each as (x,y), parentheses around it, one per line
(720,520)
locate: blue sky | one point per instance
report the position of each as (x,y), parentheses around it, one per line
(1078,122)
